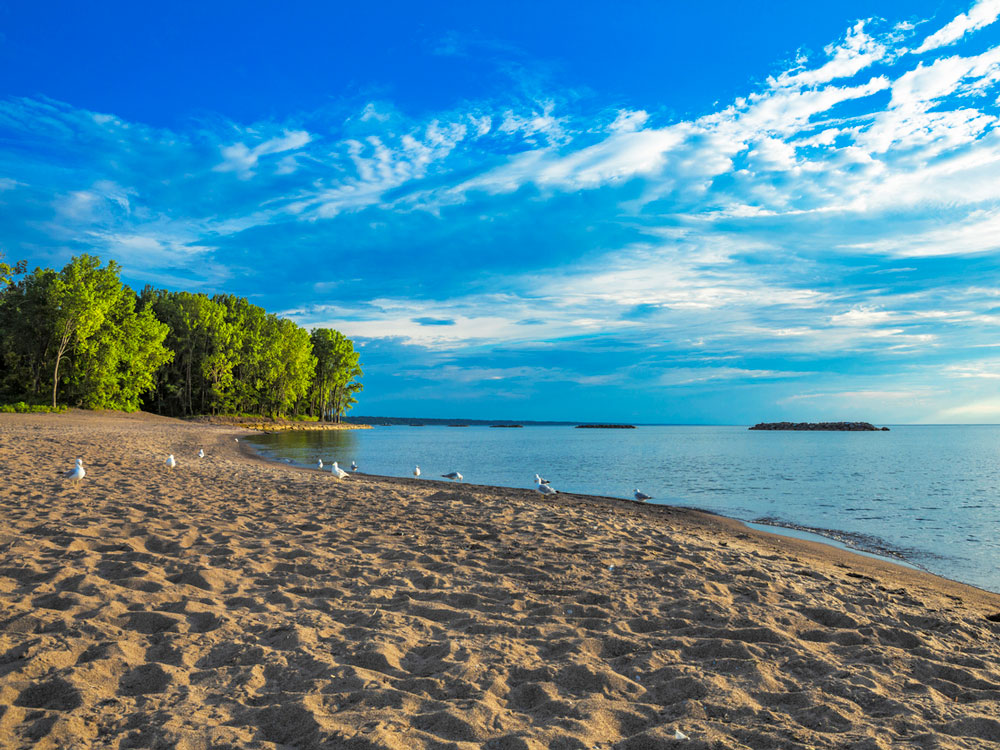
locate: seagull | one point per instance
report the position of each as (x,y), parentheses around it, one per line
(453,475)
(201,453)
(679,735)
(319,463)
(354,465)
(416,471)
(546,489)
(77,472)
(171,463)
(641,496)
(539,480)
(337,471)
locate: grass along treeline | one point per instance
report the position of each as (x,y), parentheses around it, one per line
(80,337)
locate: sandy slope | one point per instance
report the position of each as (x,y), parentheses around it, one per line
(235,603)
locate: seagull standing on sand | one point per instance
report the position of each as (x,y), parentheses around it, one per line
(641,496)
(337,471)
(201,453)
(77,472)
(546,489)
(319,463)
(416,471)
(354,465)
(171,463)
(539,480)
(453,475)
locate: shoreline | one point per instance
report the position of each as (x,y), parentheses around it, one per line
(692,514)
(237,601)
(834,538)
(268,425)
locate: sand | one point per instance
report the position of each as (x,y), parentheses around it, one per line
(232,603)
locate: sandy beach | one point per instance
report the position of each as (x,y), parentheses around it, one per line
(231,602)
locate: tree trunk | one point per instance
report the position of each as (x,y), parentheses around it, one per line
(67,333)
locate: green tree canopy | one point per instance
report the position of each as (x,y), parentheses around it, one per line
(337,371)
(82,335)
(78,329)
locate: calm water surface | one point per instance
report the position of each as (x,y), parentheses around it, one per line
(927,494)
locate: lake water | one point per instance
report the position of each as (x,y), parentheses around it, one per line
(928,495)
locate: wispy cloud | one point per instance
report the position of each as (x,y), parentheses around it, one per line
(241,159)
(983,13)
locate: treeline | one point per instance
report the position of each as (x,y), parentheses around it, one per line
(80,337)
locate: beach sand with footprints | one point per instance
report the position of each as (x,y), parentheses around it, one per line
(232,603)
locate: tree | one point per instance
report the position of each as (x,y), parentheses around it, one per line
(337,370)
(200,379)
(79,299)
(79,327)
(26,333)
(115,366)
(8,271)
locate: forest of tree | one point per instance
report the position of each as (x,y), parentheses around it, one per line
(82,338)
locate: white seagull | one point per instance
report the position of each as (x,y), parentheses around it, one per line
(319,463)
(416,471)
(453,475)
(354,465)
(641,496)
(539,480)
(546,489)
(171,463)
(201,453)
(337,471)
(77,472)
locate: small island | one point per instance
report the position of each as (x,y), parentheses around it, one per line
(506,425)
(813,426)
(605,427)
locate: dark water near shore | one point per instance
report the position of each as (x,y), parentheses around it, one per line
(929,495)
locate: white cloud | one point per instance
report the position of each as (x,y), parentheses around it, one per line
(692,375)
(242,160)
(979,411)
(857,52)
(983,370)
(983,13)
(628,120)
(861,316)
(861,396)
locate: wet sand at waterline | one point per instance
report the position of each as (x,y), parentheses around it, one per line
(231,602)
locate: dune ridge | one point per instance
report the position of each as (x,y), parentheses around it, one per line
(233,602)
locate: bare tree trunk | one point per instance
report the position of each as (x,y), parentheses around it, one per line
(67,333)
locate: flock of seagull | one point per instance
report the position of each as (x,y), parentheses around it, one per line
(542,486)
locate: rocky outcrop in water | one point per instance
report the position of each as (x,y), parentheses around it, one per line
(835,426)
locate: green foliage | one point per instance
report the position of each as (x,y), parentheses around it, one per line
(83,336)
(78,330)
(200,377)
(337,371)
(116,366)
(22,407)
(7,271)
(78,301)
(26,335)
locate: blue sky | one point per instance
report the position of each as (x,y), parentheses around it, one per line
(544,210)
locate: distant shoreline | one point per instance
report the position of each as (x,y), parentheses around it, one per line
(263,424)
